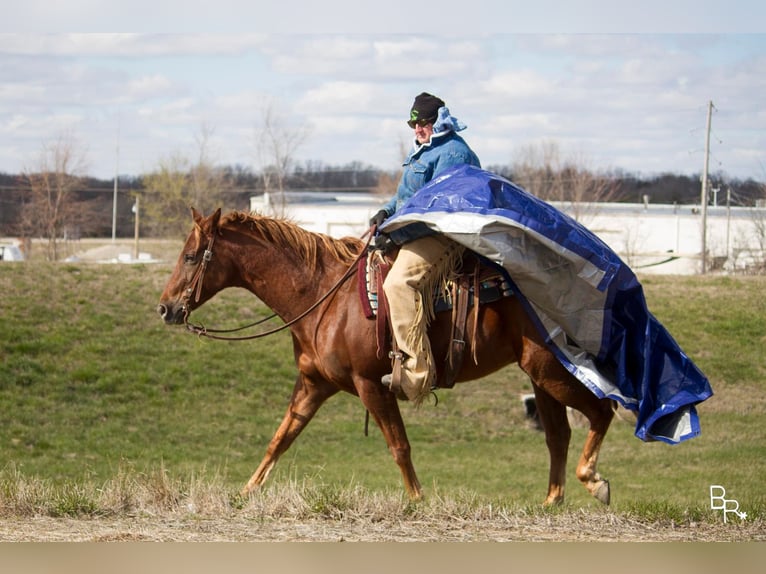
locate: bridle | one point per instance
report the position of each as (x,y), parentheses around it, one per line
(196,281)
(195,287)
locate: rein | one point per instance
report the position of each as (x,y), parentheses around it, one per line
(196,285)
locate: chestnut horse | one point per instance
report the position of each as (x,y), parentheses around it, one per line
(291,269)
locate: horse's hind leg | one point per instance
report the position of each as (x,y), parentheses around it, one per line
(306,399)
(555,389)
(599,413)
(551,401)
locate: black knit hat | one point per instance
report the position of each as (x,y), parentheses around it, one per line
(424,109)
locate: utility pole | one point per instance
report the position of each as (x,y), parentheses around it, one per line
(703,201)
(116,177)
(728,224)
(137,211)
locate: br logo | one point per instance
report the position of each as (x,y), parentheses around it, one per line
(718,501)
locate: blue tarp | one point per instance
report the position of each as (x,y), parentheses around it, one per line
(587,303)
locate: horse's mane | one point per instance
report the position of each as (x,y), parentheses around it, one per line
(286,234)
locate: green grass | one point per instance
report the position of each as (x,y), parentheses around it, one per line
(91,381)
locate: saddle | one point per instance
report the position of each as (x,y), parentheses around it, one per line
(480,281)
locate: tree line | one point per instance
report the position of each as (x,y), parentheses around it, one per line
(56,201)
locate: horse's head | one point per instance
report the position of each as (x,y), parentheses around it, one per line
(191,283)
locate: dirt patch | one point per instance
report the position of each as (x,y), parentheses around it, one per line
(575,527)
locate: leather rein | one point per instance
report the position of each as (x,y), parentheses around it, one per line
(195,288)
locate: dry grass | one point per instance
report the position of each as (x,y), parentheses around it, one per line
(578,527)
(154,507)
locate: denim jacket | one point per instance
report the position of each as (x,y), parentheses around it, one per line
(445,150)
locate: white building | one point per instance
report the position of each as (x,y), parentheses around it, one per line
(668,238)
(650,238)
(337,215)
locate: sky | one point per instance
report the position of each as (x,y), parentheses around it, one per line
(626,90)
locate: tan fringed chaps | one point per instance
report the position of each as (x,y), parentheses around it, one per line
(420,267)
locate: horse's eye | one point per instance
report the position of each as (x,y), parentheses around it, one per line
(189,258)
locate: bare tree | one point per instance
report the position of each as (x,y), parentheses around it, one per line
(388,181)
(386,186)
(276,143)
(51,209)
(534,168)
(178,184)
(543,172)
(207,181)
(759,227)
(167,196)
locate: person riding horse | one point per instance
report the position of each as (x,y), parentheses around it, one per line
(425,256)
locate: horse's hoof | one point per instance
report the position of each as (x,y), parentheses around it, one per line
(553,500)
(602,492)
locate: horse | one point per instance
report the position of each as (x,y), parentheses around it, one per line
(306,279)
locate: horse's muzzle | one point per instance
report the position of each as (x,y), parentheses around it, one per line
(171,314)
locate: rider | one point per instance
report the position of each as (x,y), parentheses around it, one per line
(425,256)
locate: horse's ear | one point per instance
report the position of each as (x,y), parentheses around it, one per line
(210,224)
(215,218)
(197,216)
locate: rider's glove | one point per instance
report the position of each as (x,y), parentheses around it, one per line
(382,243)
(378,218)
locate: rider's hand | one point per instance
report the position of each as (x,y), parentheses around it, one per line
(378,218)
(382,243)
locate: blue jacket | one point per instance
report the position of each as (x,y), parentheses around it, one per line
(446,149)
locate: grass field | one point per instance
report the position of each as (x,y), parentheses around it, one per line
(93,387)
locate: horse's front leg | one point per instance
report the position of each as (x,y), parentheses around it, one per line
(382,405)
(307,397)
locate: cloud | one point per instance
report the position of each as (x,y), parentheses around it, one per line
(630,101)
(388,58)
(338,98)
(146,86)
(517,85)
(128,45)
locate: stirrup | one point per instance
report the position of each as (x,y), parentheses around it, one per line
(393,381)
(387,381)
